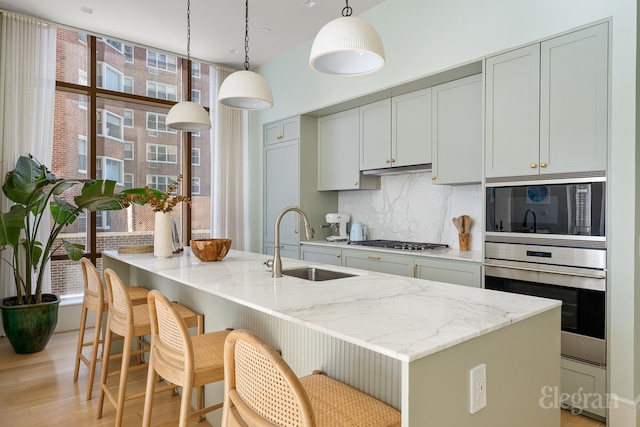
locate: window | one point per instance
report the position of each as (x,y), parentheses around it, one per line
(109,168)
(103,220)
(162,91)
(128,118)
(195,96)
(128,53)
(195,156)
(195,186)
(162,153)
(128,84)
(82,37)
(115,44)
(158,122)
(160,61)
(128,180)
(82,154)
(82,80)
(195,69)
(128,150)
(109,124)
(160,182)
(109,78)
(81,221)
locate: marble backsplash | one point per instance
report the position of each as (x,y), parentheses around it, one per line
(410,207)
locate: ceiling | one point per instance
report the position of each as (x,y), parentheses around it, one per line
(217,26)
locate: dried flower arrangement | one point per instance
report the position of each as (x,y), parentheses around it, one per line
(160,201)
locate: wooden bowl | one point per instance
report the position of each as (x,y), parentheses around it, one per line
(210,249)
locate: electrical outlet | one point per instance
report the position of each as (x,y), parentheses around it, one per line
(477,388)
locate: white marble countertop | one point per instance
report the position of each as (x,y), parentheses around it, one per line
(444,253)
(403,318)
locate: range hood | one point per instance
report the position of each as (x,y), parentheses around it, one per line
(399,169)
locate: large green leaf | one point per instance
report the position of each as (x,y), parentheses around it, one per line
(11,224)
(74,250)
(23,185)
(63,212)
(100,196)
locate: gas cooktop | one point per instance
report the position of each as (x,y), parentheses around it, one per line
(395,244)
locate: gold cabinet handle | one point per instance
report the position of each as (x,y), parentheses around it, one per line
(355,182)
(338,255)
(374,257)
(433,177)
(533,165)
(543,165)
(393,160)
(387,161)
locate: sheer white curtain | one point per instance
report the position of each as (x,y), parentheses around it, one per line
(27,92)
(227,170)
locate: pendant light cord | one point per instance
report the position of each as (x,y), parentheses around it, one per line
(188,30)
(347,10)
(246,36)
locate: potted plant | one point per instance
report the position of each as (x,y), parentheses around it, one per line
(30,316)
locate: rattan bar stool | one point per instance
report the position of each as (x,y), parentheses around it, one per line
(260,389)
(183,360)
(94,300)
(130,322)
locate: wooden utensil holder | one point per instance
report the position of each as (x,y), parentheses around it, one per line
(463,241)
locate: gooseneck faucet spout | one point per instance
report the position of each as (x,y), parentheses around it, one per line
(524,222)
(277,262)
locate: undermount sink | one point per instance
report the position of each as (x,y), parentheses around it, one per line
(315,274)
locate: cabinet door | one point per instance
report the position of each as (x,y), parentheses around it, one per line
(458,273)
(282,131)
(512,113)
(286,251)
(573,101)
(331,256)
(456,127)
(411,128)
(338,151)
(401,265)
(272,133)
(281,189)
(375,135)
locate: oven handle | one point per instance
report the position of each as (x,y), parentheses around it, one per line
(541,270)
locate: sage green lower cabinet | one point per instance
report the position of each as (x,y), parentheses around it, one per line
(583,387)
(448,271)
(286,251)
(401,265)
(324,255)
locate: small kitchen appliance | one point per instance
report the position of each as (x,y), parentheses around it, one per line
(358,232)
(338,224)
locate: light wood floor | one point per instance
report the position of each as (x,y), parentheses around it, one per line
(38,390)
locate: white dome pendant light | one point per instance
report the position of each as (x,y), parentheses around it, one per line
(347,46)
(246,90)
(187,116)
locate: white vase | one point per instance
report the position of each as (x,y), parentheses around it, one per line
(162,240)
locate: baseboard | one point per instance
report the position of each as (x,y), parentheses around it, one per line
(623,412)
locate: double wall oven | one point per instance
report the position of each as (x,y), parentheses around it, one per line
(548,239)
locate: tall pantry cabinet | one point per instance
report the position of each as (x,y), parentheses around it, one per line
(290,179)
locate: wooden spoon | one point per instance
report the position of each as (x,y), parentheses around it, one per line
(457,221)
(466,223)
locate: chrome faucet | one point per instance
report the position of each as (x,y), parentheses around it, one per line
(277,262)
(525,222)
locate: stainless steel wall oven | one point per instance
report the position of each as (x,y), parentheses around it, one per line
(548,240)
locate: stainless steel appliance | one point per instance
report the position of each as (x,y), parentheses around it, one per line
(576,276)
(396,244)
(563,207)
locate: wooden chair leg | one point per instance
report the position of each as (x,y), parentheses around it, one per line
(106,351)
(83,321)
(124,373)
(152,378)
(185,404)
(97,332)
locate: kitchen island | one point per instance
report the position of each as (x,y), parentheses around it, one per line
(409,342)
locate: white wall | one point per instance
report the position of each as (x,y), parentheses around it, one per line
(424,37)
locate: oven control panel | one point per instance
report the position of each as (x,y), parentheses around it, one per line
(556,255)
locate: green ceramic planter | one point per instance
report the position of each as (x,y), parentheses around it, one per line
(29,327)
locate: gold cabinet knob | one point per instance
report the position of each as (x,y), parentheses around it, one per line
(355,183)
(387,161)
(393,160)
(533,165)
(543,165)
(338,255)
(433,177)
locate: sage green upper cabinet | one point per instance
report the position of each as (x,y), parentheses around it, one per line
(396,131)
(512,113)
(547,106)
(573,101)
(338,153)
(281,131)
(375,135)
(456,126)
(411,128)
